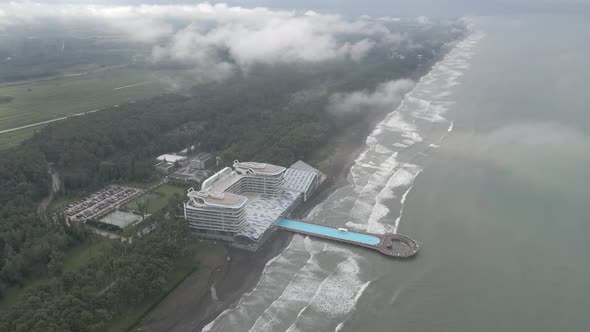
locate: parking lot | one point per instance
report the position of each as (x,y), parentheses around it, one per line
(100,202)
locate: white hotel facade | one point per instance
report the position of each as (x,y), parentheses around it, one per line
(241,204)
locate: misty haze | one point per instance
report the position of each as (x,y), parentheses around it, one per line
(265,165)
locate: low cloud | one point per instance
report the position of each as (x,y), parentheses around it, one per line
(218,39)
(385,97)
(546,154)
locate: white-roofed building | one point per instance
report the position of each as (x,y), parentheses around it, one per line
(170,158)
(242,205)
(301,181)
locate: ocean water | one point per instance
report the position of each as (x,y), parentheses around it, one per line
(484,163)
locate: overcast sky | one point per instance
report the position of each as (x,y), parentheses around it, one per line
(388,7)
(219,40)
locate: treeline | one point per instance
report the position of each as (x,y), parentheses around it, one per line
(118,276)
(249,118)
(253,117)
(26,244)
(257,117)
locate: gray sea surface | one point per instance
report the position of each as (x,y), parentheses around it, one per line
(484,163)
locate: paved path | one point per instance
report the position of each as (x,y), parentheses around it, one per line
(48,121)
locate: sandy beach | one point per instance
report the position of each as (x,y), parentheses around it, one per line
(198,300)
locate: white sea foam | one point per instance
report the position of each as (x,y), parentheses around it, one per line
(403,202)
(276,269)
(380,149)
(336,295)
(361,291)
(307,289)
(303,285)
(403,177)
(293,292)
(303,276)
(357,226)
(375,179)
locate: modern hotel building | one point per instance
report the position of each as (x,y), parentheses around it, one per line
(242,204)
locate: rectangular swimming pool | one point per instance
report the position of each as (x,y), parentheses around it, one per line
(298,226)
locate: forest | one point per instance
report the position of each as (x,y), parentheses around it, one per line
(117,277)
(259,116)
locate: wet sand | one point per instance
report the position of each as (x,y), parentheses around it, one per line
(192,305)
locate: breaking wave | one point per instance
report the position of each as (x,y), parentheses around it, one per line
(314,284)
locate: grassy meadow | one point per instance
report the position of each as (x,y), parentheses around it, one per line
(158,198)
(46,100)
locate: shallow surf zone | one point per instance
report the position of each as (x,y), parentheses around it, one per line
(309,278)
(315,284)
(384,172)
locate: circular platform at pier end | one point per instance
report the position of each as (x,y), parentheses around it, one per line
(399,246)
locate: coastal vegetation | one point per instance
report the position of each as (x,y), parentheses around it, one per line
(276,114)
(157,199)
(117,277)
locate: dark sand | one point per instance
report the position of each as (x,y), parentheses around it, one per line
(191,306)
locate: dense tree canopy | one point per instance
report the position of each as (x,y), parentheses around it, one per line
(275,115)
(118,276)
(26,244)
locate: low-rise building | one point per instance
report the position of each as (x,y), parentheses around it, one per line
(165,167)
(189,175)
(170,158)
(202,160)
(168,163)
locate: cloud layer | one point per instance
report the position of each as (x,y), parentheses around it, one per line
(385,97)
(218,38)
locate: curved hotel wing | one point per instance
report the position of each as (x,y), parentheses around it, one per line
(243,204)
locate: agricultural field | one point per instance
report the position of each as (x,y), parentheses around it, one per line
(47,100)
(13,138)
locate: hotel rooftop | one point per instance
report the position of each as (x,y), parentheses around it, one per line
(242,204)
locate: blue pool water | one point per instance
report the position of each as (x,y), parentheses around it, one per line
(328,231)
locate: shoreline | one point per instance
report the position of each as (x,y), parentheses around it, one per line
(191,306)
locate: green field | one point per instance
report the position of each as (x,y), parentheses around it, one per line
(158,199)
(47,100)
(13,138)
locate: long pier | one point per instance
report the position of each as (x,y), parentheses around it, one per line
(394,245)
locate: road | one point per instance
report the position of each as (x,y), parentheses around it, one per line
(48,121)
